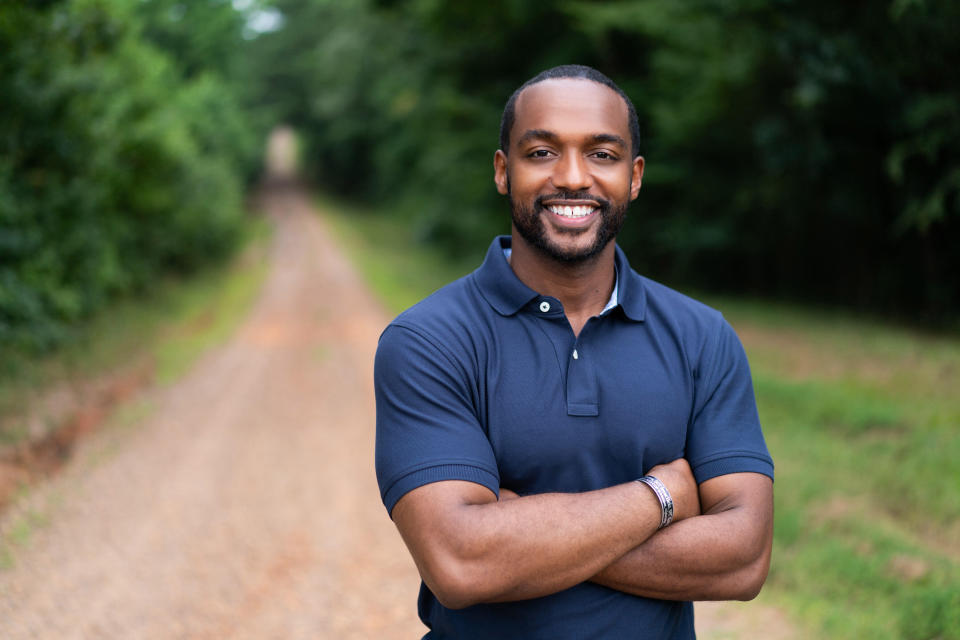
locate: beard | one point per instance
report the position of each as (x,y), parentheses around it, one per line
(529,224)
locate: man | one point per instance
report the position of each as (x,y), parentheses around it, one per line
(518,407)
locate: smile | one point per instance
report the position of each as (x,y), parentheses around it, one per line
(572,212)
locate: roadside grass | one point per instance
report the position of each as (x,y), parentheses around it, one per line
(862,419)
(19,532)
(397,267)
(171,326)
(211,308)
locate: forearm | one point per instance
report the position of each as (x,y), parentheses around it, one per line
(721,555)
(702,558)
(528,547)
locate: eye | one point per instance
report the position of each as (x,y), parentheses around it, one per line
(604,155)
(539,153)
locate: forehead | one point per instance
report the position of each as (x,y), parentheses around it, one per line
(570,107)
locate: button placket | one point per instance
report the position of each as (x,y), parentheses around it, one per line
(579,375)
(583,393)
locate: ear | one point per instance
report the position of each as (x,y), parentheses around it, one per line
(500,171)
(636,178)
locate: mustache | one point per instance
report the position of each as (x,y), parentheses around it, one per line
(572,195)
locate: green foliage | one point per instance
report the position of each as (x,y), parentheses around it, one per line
(119,160)
(782,129)
(933,613)
(798,149)
(400,103)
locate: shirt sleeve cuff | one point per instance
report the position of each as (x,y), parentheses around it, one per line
(739,463)
(439,473)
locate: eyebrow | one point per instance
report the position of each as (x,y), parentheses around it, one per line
(537,134)
(612,138)
(550,136)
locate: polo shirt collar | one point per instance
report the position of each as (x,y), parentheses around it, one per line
(504,291)
(631,293)
(499,284)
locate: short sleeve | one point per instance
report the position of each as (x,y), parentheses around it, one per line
(427,426)
(725,435)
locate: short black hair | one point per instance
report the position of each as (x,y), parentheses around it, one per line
(569,71)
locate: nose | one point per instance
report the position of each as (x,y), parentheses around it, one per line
(571,173)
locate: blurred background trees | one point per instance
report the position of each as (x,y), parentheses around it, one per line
(801,150)
(125,144)
(797,150)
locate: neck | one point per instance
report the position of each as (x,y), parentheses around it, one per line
(584,288)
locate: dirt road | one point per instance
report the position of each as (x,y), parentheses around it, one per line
(244,505)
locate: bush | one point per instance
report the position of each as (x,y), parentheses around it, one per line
(116,167)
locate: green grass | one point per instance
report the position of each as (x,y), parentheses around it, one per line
(400,270)
(863,421)
(19,532)
(172,326)
(210,309)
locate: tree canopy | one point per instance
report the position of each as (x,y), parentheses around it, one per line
(124,147)
(801,150)
(804,150)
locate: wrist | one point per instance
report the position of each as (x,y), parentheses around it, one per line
(663,496)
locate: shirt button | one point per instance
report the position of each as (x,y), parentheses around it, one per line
(576,356)
(544,306)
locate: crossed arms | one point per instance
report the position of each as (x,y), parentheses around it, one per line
(470,547)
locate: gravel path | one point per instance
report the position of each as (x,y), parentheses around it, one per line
(244,505)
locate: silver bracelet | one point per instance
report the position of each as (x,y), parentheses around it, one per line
(663,495)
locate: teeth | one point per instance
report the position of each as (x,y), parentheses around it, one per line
(571,212)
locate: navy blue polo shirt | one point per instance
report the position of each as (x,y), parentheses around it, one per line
(484,381)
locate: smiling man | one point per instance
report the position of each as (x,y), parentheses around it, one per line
(569,449)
